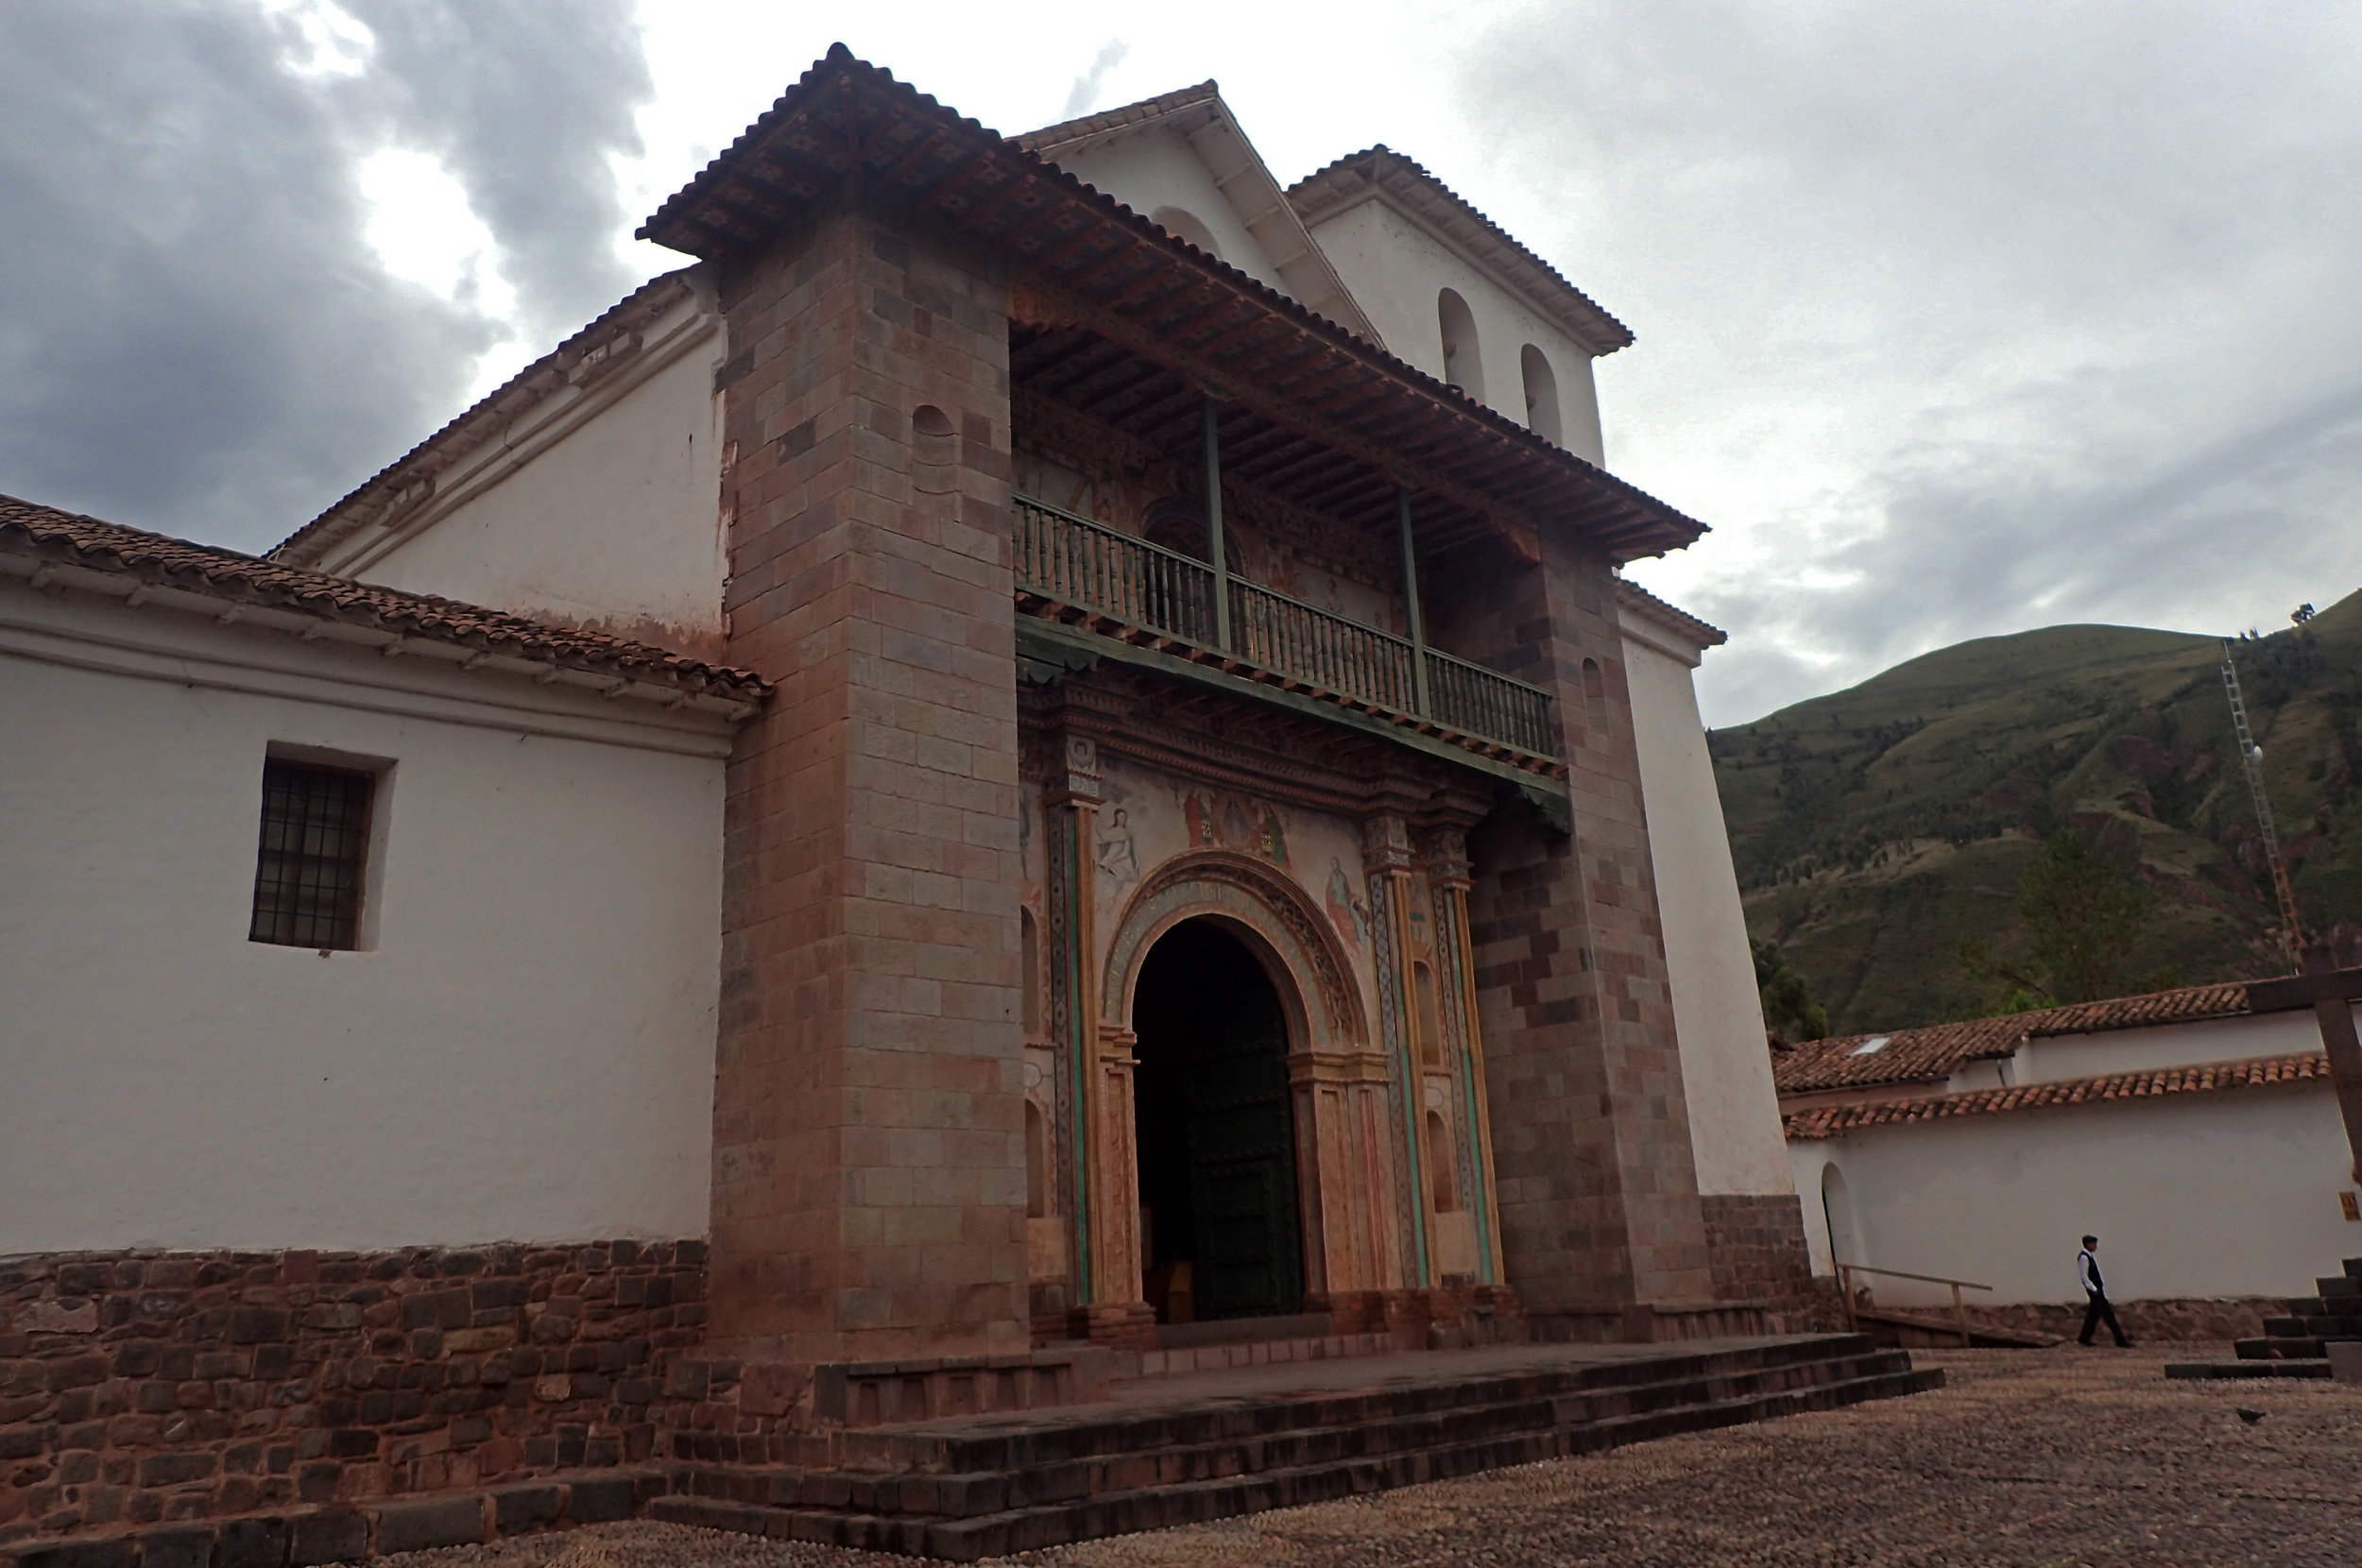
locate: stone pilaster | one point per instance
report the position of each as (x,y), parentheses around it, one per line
(1448,875)
(1386,856)
(1596,1179)
(868,1179)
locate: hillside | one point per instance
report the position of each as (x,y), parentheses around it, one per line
(1875,828)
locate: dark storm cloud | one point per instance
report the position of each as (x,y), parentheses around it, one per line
(194,334)
(1957,320)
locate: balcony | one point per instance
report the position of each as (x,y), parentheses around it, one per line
(1081,572)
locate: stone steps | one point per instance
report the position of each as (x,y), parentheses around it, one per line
(2296,1345)
(2288,1366)
(1032,1483)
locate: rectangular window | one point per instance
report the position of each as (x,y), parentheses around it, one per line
(314,857)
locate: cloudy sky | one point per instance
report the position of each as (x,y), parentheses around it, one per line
(1953,319)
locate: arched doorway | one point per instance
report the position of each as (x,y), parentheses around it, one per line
(1215,1131)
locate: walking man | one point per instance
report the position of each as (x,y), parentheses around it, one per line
(2087,1267)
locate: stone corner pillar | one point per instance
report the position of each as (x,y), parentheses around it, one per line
(868,1161)
(1596,1180)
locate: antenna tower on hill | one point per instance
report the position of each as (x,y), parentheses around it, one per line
(2252,758)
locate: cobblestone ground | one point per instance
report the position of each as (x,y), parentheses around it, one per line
(2064,1456)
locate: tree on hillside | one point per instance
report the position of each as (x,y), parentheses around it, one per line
(1788,1011)
(2083,918)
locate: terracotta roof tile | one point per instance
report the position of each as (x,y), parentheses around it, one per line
(28,528)
(1829,1121)
(1382,168)
(1631,596)
(1051,137)
(802,150)
(1912,1055)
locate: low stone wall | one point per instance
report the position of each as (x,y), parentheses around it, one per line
(2165,1321)
(143,1388)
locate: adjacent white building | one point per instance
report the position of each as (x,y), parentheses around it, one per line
(2196,1132)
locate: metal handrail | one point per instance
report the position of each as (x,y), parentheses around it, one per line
(1845,1272)
(1080,561)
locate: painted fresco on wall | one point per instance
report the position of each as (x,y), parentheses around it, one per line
(1348,906)
(1117,851)
(1029,831)
(1148,817)
(1219,819)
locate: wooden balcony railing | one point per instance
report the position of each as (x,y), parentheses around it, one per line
(1075,564)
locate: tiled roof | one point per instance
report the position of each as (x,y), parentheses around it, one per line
(1829,1121)
(1049,138)
(1381,168)
(1261,204)
(1631,596)
(1912,1055)
(482,420)
(847,125)
(68,538)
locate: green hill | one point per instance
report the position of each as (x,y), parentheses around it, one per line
(1876,827)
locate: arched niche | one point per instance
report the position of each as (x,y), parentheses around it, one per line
(1463,360)
(1541,394)
(1275,918)
(1186,225)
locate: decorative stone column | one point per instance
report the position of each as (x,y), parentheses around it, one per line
(1447,872)
(1386,856)
(1344,1111)
(1094,1062)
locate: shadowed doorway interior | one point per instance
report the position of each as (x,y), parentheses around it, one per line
(1220,1234)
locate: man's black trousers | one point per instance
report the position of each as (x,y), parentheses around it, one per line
(2099,1312)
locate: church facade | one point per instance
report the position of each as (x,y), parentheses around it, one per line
(1054,748)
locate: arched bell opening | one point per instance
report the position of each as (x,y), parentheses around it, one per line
(1219,1208)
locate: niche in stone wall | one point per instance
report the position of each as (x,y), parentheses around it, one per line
(935,451)
(1443,1178)
(1037,1163)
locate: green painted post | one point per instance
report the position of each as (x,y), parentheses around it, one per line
(1411,601)
(1220,557)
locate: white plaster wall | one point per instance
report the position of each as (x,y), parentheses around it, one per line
(1159,169)
(612,522)
(1726,1071)
(2230,1194)
(1395,270)
(2051,1059)
(526,1053)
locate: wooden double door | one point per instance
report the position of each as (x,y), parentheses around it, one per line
(1216,1130)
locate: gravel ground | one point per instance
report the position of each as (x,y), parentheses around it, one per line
(2058,1456)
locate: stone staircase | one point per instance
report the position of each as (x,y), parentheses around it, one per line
(2295,1345)
(1160,1456)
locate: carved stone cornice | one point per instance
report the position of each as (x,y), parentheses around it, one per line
(1211,739)
(1385,844)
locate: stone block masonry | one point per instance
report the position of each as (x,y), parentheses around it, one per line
(1596,1181)
(869,1179)
(142,1388)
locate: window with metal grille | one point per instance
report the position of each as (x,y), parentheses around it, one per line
(314,855)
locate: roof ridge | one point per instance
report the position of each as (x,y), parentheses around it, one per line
(1370,164)
(1828,1122)
(700,215)
(218,571)
(532,378)
(1933,1051)
(1681,620)
(1137,112)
